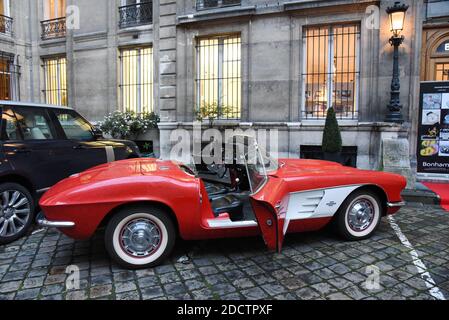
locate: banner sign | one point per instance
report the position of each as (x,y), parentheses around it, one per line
(433,128)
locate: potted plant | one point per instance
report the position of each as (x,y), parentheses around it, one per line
(211,112)
(332,142)
(132,126)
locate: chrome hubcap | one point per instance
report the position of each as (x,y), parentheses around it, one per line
(15,210)
(141,238)
(361,215)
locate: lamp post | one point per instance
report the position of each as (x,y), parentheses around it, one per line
(396,15)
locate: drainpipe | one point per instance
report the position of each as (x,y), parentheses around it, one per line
(249,69)
(30,46)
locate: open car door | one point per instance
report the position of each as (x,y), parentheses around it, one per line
(269,199)
(271,214)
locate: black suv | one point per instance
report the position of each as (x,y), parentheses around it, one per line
(41,145)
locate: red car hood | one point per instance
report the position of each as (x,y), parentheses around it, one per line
(132,167)
(115,170)
(295,167)
(324,174)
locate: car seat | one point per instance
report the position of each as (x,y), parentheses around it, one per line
(214,189)
(227,204)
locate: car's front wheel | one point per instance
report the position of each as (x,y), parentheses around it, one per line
(16,212)
(140,237)
(359,216)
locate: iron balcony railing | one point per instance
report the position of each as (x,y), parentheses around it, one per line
(210,4)
(54,28)
(6,24)
(136,14)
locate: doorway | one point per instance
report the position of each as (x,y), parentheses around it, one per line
(435,55)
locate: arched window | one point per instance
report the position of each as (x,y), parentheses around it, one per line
(435,58)
(441,64)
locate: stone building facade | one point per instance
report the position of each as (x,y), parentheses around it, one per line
(263,63)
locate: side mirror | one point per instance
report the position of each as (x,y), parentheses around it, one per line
(98,134)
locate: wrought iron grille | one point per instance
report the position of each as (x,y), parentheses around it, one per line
(55,75)
(9,78)
(209,4)
(331,65)
(54,28)
(218,79)
(136,14)
(6,24)
(136,86)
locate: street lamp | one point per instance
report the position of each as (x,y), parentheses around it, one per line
(396,15)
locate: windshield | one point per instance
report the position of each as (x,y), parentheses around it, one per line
(258,163)
(256,171)
(269,163)
(242,151)
(190,168)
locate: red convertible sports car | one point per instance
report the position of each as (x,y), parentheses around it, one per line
(145,204)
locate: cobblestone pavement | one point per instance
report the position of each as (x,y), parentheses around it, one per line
(311,266)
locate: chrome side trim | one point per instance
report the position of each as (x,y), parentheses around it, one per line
(227,224)
(43,190)
(43,222)
(396,204)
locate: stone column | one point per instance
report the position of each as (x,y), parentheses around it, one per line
(70,57)
(166,36)
(165,130)
(112,27)
(36,10)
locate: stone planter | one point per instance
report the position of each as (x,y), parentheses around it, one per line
(348,157)
(332,156)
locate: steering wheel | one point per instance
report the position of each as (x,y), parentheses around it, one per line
(219,169)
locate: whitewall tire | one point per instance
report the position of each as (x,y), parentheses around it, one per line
(140,237)
(359,216)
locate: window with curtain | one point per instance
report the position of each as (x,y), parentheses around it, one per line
(331,71)
(132,2)
(4,8)
(207,4)
(136,86)
(9,78)
(55,81)
(442,71)
(218,79)
(54,9)
(5,17)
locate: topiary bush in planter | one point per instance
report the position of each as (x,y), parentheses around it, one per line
(332,142)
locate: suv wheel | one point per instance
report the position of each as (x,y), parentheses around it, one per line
(16,212)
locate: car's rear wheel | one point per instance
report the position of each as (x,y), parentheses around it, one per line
(16,212)
(359,216)
(140,237)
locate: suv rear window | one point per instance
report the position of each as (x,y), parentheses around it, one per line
(23,123)
(10,129)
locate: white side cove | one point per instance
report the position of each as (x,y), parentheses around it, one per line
(322,203)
